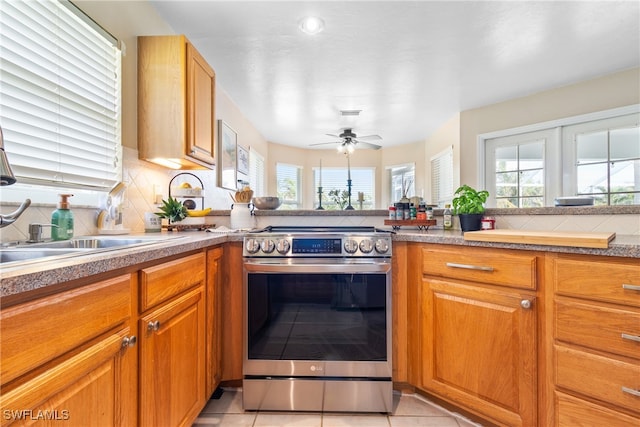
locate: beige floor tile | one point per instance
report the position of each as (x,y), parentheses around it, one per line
(345,420)
(288,420)
(225,420)
(411,405)
(407,421)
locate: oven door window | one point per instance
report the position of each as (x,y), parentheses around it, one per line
(317,317)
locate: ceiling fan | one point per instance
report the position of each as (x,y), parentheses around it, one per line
(349,140)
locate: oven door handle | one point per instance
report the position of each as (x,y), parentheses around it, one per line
(365,267)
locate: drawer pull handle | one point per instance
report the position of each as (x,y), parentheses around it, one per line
(631,391)
(631,337)
(630,287)
(153,326)
(470,267)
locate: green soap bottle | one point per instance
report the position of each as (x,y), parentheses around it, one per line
(62,219)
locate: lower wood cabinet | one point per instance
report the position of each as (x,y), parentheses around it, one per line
(478,341)
(71,358)
(596,335)
(172,343)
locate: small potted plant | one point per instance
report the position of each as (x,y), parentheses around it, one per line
(468,204)
(173,210)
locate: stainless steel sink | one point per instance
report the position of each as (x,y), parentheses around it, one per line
(31,252)
(24,255)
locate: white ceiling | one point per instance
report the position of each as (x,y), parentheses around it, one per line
(408,65)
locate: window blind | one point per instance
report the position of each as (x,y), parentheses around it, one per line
(256,173)
(60,100)
(289,185)
(362,181)
(442,177)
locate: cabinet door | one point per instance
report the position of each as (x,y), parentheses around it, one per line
(479,349)
(201,83)
(172,370)
(87,389)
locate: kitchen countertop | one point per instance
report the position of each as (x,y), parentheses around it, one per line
(29,277)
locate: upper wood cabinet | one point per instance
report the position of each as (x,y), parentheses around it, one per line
(176,103)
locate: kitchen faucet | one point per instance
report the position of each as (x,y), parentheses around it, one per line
(7,178)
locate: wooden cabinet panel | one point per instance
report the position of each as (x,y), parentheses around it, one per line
(200,107)
(481,265)
(34,333)
(598,327)
(232,319)
(213,350)
(172,368)
(162,282)
(573,412)
(479,349)
(597,376)
(176,103)
(598,280)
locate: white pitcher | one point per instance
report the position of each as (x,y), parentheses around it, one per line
(242,217)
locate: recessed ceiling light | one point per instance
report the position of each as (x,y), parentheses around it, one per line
(350,112)
(311,25)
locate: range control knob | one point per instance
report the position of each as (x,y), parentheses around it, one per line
(252,246)
(382,246)
(350,246)
(267,246)
(283,246)
(366,246)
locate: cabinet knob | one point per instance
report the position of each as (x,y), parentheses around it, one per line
(525,303)
(129,341)
(153,326)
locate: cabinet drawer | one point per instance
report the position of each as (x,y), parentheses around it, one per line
(36,332)
(598,377)
(487,265)
(162,282)
(598,280)
(572,412)
(599,327)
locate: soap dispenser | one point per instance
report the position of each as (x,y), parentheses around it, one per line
(62,220)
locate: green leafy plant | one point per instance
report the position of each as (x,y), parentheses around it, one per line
(468,200)
(340,198)
(173,210)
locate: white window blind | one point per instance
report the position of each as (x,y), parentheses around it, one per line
(256,173)
(442,177)
(289,182)
(60,96)
(335,179)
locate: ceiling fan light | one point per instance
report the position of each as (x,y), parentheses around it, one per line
(350,148)
(311,25)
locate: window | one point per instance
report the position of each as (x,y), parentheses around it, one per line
(256,173)
(442,177)
(402,181)
(288,178)
(594,155)
(605,157)
(59,96)
(335,195)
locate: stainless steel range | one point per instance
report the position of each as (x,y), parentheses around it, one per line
(317,325)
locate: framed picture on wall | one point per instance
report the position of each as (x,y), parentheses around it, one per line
(243,160)
(227,146)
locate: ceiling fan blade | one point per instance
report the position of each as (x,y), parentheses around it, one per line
(368,145)
(325,143)
(370,137)
(332,135)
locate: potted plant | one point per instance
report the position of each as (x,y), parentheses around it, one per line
(468,204)
(173,210)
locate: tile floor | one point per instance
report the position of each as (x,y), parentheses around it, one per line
(410,410)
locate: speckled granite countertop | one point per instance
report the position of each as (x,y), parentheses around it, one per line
(33,276)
